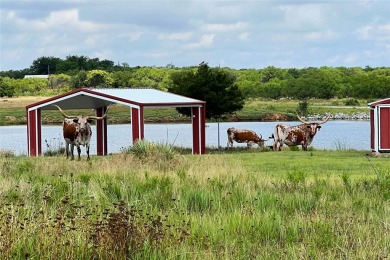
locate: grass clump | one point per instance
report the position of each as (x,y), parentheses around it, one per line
(144,149)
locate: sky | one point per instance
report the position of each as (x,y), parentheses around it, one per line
(240,34)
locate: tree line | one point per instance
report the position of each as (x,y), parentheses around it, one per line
(270,82)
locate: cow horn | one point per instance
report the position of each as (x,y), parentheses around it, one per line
(100,117)
(322,122)
(63,113)
(325,120)
(300,119)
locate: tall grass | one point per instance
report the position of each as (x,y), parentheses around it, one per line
(284,205)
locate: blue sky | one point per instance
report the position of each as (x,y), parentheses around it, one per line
(237,34)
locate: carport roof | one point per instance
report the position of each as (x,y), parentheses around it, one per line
(379,102)
(84,98)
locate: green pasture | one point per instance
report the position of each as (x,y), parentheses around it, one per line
(156,203)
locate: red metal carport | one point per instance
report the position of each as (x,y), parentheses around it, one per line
(100,99)
(380,125)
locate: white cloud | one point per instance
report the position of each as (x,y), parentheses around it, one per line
(205,41)
(244,36)
(221,27)
(320,35)
(176,36)
(304,16)
(364,32)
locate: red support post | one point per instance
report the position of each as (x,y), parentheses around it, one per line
(137,123)
(101,132)
(34,132)
(198,130)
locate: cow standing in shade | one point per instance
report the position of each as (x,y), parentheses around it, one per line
(296,135)
(244,136)
(77,131)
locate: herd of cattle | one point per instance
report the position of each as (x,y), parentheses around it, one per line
(302,134)
(77,131)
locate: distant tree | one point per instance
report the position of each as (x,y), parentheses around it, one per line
(45,65)
(269,73)
(6,89)
(15,74)
(99,78)
(60,81)
(213,85)
(303,108)
(80,80)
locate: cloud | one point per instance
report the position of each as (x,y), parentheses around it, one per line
(320,35)
(205,41)
(378,34)
(236,33)
(304,16)
(63,20)
(244,36)
(220,27)
(185,36)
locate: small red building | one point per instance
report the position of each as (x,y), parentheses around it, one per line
(380,125)
(99,99)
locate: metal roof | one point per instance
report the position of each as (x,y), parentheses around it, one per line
(84,98)
(379,102)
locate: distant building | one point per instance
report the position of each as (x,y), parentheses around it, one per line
(36,76)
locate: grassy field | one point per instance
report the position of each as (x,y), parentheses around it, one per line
(13,112)
(233,204)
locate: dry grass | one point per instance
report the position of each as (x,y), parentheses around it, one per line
(18,102)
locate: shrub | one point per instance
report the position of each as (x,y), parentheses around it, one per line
(145,149)
(351,102)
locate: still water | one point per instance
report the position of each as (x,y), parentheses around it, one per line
(333,135)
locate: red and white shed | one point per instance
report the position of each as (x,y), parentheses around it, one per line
(100,99)
(380,125)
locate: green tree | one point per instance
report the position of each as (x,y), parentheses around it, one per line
(214,85)
(59,81)
(99,78)
(45,65)
(80,80)
(6,89)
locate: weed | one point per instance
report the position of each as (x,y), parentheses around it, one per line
(54,149)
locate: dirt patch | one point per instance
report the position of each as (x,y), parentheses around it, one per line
(275,117)
(11,118)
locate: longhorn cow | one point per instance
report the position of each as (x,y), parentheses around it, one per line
(244,136)
(302,134)
(77,131)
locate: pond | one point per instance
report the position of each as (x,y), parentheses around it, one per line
(333,135)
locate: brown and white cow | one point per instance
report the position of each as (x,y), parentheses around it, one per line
(244,136)
(302,134)
(77,131)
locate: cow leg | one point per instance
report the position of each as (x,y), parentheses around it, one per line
(249,144)
(79,152)
(87,150)
(67,149)
(276,147)
(229,143)
(280,146)
(71,151)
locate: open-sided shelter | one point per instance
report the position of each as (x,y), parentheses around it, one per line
(380,125)
(100,99)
